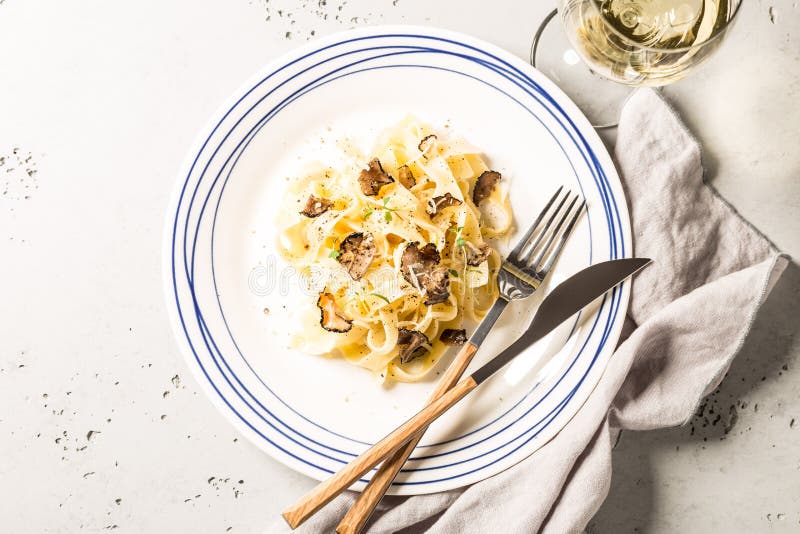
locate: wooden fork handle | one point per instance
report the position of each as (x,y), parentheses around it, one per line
(324,492)
(354,520)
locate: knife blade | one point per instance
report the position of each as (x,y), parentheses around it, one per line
(564,301)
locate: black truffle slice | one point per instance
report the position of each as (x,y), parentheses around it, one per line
(477,254)
(405,177)
(412,344)
(452,336)
(420,266)
(316,206)
(373,178)
(426,143)
(356,252)
(437,204)
(484,186)
(332,318)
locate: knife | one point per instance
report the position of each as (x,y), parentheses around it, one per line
(564,301)
(561,303)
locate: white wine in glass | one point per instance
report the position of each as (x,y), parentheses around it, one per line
(645,42)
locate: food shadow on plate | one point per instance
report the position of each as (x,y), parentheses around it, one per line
(533,370)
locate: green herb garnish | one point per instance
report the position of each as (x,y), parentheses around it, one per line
(387,211)
(459,240)
(453,272)
(334,253)
(381,297)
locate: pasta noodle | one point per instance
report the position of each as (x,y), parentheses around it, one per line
(393,249)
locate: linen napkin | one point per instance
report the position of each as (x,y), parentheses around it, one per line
(689,314)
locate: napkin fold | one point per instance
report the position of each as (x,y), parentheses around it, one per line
(688,317)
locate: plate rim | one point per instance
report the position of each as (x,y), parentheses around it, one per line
(580,123)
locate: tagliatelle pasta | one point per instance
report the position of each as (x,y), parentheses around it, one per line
(393,248)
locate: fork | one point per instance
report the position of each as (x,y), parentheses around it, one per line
(520,275)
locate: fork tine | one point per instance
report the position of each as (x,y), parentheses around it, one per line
(522,259)
(562,241)
(540,256)
(521,243)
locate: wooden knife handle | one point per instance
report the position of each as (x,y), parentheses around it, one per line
(325,491)
(353,522)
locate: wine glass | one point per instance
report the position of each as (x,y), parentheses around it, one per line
(608,46)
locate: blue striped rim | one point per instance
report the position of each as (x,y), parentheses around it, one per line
(263,121)
(596,171)
(239,150)
(244,144)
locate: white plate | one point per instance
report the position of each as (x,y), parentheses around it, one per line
(314,413)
